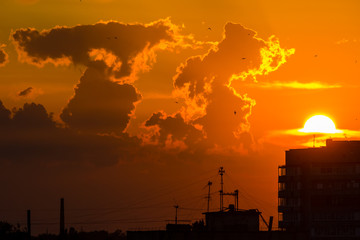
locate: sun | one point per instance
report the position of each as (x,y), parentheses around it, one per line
(319,124)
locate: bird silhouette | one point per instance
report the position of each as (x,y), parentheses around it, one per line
(209,28)
(234,112)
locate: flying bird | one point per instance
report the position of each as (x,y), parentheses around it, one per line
(209,28)
(315,55)
(234,112)
(243,58)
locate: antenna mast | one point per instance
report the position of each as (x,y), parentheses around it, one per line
(208,197)
(176,210)
(221,172)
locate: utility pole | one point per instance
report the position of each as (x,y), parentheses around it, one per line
(62,219)
(221,172)
(208,197)
(29,224)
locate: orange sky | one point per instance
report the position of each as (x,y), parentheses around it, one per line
(147,96)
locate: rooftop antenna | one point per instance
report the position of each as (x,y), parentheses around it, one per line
(236,195)
(221,172)
(176,211)
(208,197)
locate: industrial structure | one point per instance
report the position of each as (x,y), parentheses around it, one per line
(318,199)
(319,191)
(229,223)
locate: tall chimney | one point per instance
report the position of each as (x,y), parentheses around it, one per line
(62,218)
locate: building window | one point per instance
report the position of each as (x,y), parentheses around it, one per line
(281,216)
(282,171)
(282,201)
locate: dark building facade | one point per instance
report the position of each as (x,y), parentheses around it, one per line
(232,220)
(319,191)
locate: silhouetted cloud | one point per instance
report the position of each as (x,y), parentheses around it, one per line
(4,58)
(33,116)
(32,135)
(99,104)
(213,117)
(129,46)
(25,92)
(4,116)
(172,131)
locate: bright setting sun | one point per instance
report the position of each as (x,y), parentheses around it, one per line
(319,124)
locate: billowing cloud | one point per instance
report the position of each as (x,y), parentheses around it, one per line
(4,58)
(213,114)
(25,92)
(205,83)
(99,104)
(130,45)
(32,135)
(172,131)
(113,52)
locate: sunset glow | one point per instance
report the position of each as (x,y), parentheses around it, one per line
(320,124)
(104,101)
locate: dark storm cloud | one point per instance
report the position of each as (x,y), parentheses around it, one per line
(63,44)
(99,104)
(31,135)
(3,57)
(25,92)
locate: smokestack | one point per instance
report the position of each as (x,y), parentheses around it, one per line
(62,218)
(29,224)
